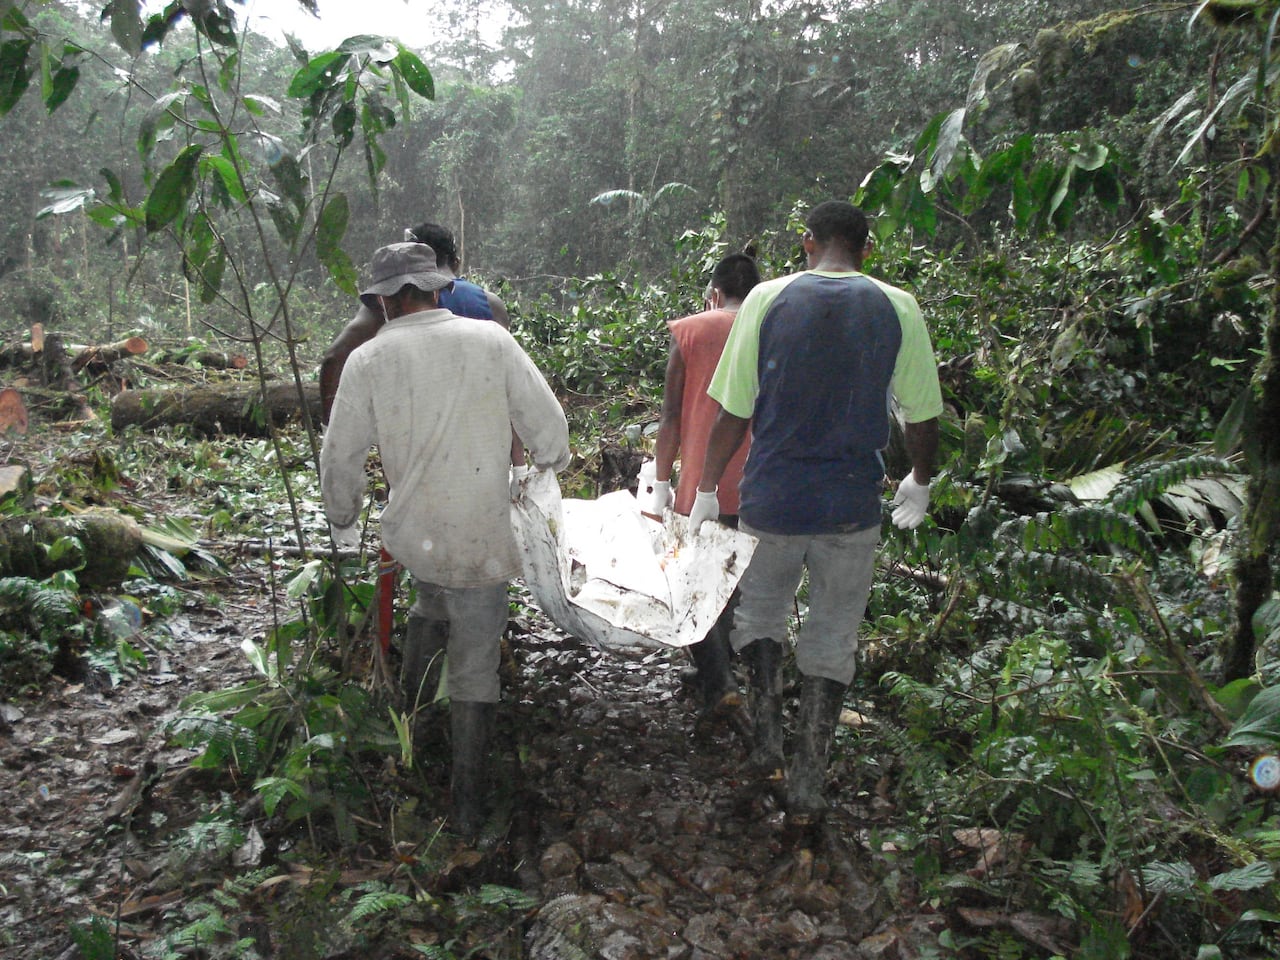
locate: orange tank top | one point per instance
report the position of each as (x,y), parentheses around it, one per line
(701,338)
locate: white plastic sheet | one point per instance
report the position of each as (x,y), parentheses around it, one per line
(607,574)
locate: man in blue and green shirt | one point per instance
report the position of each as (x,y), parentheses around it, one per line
(812,365)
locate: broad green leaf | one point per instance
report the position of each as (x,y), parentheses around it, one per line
(174,186)
(15,72)
(299,585)
(159,116)
(1097,484)
(319,72)
(997,58)
(292,182)
(331,226)
(343,272)
(14,19)
(228,72)
(227,176)
(64,81)
(1259,725)
(344,122)
(950,136)
(415,73)
(126,24)
(256,656)
(379,48)
(275,789)
(1089,158)
(258,105)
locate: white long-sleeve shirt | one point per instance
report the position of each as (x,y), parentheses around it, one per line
(439,395)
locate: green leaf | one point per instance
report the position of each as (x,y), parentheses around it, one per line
(331,225)
(15,72)
(1259,725)
(300,584)
(227,175)
(275,789)
(126,24)
(318,73)
(174,186)
(377,47)
(64,80)
(1254,876)
(291,180)
(257,657)
(159,117)
(415,74)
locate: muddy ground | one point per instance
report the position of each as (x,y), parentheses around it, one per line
(631,825)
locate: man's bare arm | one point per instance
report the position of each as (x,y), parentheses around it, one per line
(362,328)
(727,434)
(922,448)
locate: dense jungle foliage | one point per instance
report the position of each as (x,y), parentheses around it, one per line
(1080,649)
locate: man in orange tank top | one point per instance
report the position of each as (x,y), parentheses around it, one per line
(687,414)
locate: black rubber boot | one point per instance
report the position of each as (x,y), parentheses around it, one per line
(764,658)
(425,644)
(820,703)
(717,686)
(471,722)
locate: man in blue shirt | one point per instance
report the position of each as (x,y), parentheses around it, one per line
(463,298)
(811,366)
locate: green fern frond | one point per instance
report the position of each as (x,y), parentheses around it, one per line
(225,742)
(1088,528)
(375,902)
(1151,481)
(493,895)
(1064,575)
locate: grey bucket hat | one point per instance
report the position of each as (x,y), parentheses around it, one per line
(397,264)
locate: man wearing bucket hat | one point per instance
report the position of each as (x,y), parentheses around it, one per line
(439,394)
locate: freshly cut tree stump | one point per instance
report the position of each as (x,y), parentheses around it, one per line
(108,543)
(216,408)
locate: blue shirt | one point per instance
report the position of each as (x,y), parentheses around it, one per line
(466,299)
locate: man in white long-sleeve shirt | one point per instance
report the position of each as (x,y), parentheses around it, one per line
(439,395)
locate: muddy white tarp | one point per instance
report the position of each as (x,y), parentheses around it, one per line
(605,573)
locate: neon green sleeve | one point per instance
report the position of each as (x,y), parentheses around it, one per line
(736,381)
(915,375)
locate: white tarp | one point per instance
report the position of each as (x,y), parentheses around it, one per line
(607,574)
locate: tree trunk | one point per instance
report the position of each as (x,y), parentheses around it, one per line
(1261,528)
(217,408)
(108,543)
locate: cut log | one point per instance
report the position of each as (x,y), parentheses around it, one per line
(15,481)
(216,408)
(107,353)
(210,359)
(13,412)
(108,543)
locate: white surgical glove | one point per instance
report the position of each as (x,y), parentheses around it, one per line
(910,503)
(518,475)
(706,506)
(345,538)
(652,495)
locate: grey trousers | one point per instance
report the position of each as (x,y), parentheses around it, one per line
(840,568)
(477,616)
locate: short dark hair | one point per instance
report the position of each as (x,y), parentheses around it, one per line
(440,239)
(839,221)
(735,275)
